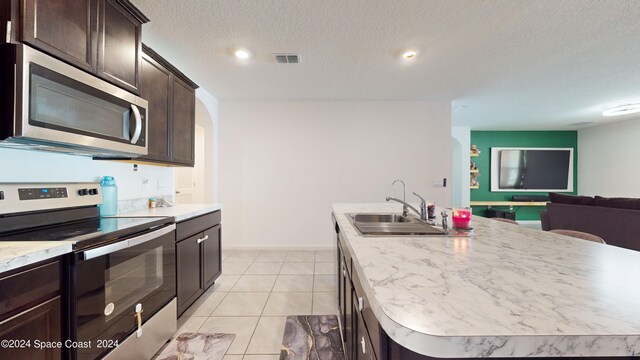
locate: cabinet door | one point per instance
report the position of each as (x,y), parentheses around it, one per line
(119,46)
(183,127)
(154,87)
(342,281)
(42,322)
(65,29)
(188,272)
(349,351)
(363,348)
(211,256)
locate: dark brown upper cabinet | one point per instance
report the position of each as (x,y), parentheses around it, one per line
(183,112)
(102,37)
(119,45)
(155,87)
(172,102)
(63,28)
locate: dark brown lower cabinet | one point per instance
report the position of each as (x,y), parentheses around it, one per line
(188,264)
(199,257)
(31,312)
(211,256)
(40,324)
(362,342)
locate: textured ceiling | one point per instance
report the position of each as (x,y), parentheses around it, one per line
(514,64)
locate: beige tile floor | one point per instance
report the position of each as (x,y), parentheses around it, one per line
(256,292)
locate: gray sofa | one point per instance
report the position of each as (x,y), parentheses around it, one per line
(617,226)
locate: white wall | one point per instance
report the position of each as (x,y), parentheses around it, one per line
(207,116)
(40,166)
(609,161)
(460,178)
(283,163)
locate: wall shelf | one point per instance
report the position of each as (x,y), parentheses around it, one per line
(508,203)
(474,171)
(474,155)
(474,186)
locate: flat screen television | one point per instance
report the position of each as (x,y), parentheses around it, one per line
(531,169)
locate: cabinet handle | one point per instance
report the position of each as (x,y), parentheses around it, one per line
(360,303)
(364,350)
(203,239)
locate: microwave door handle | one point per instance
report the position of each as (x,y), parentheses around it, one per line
(111,248)
(138,130)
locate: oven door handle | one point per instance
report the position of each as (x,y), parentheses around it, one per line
(108,249)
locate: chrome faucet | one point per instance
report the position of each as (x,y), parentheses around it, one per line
(404,188)
(423,207)
(405,206)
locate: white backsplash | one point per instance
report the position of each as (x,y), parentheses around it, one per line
(134,187)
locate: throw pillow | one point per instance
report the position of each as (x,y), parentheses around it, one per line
(620,203)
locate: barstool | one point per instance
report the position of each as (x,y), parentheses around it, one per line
(579,235)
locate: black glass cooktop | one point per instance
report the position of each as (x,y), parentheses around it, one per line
(89,232)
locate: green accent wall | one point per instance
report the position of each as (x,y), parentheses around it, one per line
(485,140)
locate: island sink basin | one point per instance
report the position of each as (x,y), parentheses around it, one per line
(379,218)
(372,225)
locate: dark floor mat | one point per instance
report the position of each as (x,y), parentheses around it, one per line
(312,337)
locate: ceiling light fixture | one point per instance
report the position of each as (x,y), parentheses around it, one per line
(622,110)
(242,54)
(410,54)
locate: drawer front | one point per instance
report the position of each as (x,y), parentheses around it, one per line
(197,225)
(29,287)
(366,312)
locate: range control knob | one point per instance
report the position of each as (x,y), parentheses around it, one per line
(83,192)
(93,191)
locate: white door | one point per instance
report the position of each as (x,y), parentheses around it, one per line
(190,181)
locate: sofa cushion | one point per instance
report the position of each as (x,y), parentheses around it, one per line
(571,199)
(619,203)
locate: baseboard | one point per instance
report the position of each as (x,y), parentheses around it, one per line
(278,247)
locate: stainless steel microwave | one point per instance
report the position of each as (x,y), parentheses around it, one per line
(46,104)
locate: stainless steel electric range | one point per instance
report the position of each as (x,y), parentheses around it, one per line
(120,279)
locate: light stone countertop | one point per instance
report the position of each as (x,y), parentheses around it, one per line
(180,212)
(15,254)
(506,291)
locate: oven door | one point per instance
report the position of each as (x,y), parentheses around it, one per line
(118,287)
(64,106)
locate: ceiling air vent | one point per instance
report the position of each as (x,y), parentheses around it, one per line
(287,58)
(581,123)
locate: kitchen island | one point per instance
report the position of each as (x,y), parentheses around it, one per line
(504,291)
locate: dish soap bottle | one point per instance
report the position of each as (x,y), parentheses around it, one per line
(109,206)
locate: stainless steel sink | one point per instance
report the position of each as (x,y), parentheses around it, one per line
(372,225)
(379,218)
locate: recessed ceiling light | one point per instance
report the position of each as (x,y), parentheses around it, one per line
(242,54)
(410,54)
(622,110)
